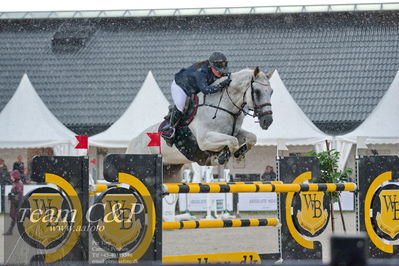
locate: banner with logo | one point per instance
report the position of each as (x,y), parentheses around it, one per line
(199,202)
(304,215)
(257,202)
(55,223)
(378,183)
(130,216)
(50,221)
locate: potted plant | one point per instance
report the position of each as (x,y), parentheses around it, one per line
(329,173)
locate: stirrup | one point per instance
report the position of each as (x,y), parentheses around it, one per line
(170,134)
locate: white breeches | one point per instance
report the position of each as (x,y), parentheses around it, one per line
(179,96)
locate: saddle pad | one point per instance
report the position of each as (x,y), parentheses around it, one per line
(187,144)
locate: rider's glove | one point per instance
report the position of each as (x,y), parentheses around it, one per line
(225,83)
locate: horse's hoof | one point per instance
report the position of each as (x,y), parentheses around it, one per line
(222,160)
(241,151)
(224,156)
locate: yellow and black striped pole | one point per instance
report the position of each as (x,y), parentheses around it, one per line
(238,183)
(219,223)
(97,188)
(245,188)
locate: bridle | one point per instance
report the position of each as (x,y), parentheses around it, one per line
(241,109)
(257,107)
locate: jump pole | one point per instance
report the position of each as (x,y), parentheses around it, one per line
(220,223)
(248,188)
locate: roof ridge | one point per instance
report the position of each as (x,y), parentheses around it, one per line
(204,11)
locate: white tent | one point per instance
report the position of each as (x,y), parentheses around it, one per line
(290,124)
(380,127)
(148,107)
(26,122)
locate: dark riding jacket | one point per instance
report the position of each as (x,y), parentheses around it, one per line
(197,78)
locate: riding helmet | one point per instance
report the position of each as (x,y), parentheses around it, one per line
(219,62)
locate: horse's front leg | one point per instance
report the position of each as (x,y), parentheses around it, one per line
(246,137)
(246,141)
(215,141)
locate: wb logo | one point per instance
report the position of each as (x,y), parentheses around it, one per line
(312,216)
(391,205)
(117,210)
(388,217)
(313,203)
(44,214)
(120,224)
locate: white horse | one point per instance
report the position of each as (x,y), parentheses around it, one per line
(217,124)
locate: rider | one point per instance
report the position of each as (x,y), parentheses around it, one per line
(192,80)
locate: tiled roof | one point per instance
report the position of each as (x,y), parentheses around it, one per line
(337,65)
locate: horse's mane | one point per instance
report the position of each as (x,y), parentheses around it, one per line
(244,75)
(250,71)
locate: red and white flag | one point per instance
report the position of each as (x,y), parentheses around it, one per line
(83,142)
(155,139)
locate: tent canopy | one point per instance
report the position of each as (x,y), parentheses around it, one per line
(148,107)
(26,122)
(381,126)
(290,124)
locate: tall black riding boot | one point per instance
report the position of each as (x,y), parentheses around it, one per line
(169,129)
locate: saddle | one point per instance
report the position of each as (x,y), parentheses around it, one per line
(184,140)
(190,110)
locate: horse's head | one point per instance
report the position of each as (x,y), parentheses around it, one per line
(259,98)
